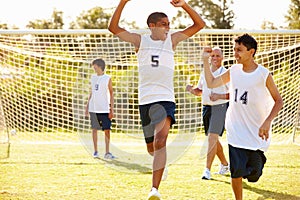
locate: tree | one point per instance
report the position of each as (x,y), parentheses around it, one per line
(293,17)
(56,22)
(268,25)
(94,18)
(3,26)
(218,14)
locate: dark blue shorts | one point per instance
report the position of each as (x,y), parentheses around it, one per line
(100,121)
(153,113)
(246,163)
(214,118)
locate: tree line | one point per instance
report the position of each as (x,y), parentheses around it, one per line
(217,13)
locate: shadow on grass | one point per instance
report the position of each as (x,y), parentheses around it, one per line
(115,164)
(126,166)
(265,194)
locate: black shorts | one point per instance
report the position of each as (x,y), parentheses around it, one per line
(99,120)
(153,113)
(246,163)
(214,118)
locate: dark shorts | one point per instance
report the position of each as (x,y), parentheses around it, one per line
(246,163)
(99,120)
(214,118)
(153,113)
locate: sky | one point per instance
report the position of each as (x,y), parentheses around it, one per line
(248,14)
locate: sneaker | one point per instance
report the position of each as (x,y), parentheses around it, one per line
(154,194)
(96,155)
(165,174)
(206,174)
(223,169)
(109,156)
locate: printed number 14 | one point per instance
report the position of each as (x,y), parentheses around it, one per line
(243,97)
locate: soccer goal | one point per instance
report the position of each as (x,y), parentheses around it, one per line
(44,81)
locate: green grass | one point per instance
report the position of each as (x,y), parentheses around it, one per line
(67,171)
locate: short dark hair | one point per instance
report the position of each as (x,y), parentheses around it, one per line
(155,17)
(99,62)
(248,41)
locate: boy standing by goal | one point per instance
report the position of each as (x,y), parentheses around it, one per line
(100,106)
(155,53)
(254,103)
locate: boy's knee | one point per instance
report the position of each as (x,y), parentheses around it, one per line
(254,176)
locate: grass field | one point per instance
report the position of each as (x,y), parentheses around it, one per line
(67,171)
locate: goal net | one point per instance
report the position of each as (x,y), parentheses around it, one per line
(44,84)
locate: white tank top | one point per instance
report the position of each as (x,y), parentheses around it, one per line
(206,92)
(156,70)
(250,104)
(100,99)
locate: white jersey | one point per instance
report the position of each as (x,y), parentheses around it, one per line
(100,98)
(250,104)
(206,92)
(156,70)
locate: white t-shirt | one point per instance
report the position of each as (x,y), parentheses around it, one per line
(206,92)
(250,104)
(100,98)
(156,70)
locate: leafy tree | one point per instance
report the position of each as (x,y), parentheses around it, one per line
(94,18)
(3,26)
(293,17)
(217,13)
(268,25)
(56,22)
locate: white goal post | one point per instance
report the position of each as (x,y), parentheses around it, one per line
(44,79)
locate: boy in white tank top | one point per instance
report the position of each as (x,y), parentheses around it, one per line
(156,68)
(100,106)
(254,103)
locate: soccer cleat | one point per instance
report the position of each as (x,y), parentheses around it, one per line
(206,174)
(165,174)
(223,169)
(96,155)
(154,194)
(109,156)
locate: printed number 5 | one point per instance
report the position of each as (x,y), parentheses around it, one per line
(154,60)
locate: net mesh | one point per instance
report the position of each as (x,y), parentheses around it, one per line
(44,81)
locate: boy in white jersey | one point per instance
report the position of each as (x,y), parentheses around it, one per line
(100,106)
(214,107)
(254,103)
(156,70)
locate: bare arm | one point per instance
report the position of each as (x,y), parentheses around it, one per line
(111,92)
(87,105)
(265,127)
(211,81)
(217,96)
(122,33)
(198,23)
(195,91)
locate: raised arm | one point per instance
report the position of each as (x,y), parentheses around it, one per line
(122,33)
(211,81)
(198,22)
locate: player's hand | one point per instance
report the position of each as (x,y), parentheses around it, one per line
(177,3)
(214,96)
(110,114)
(264,130)
(206,53)
(189,88)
